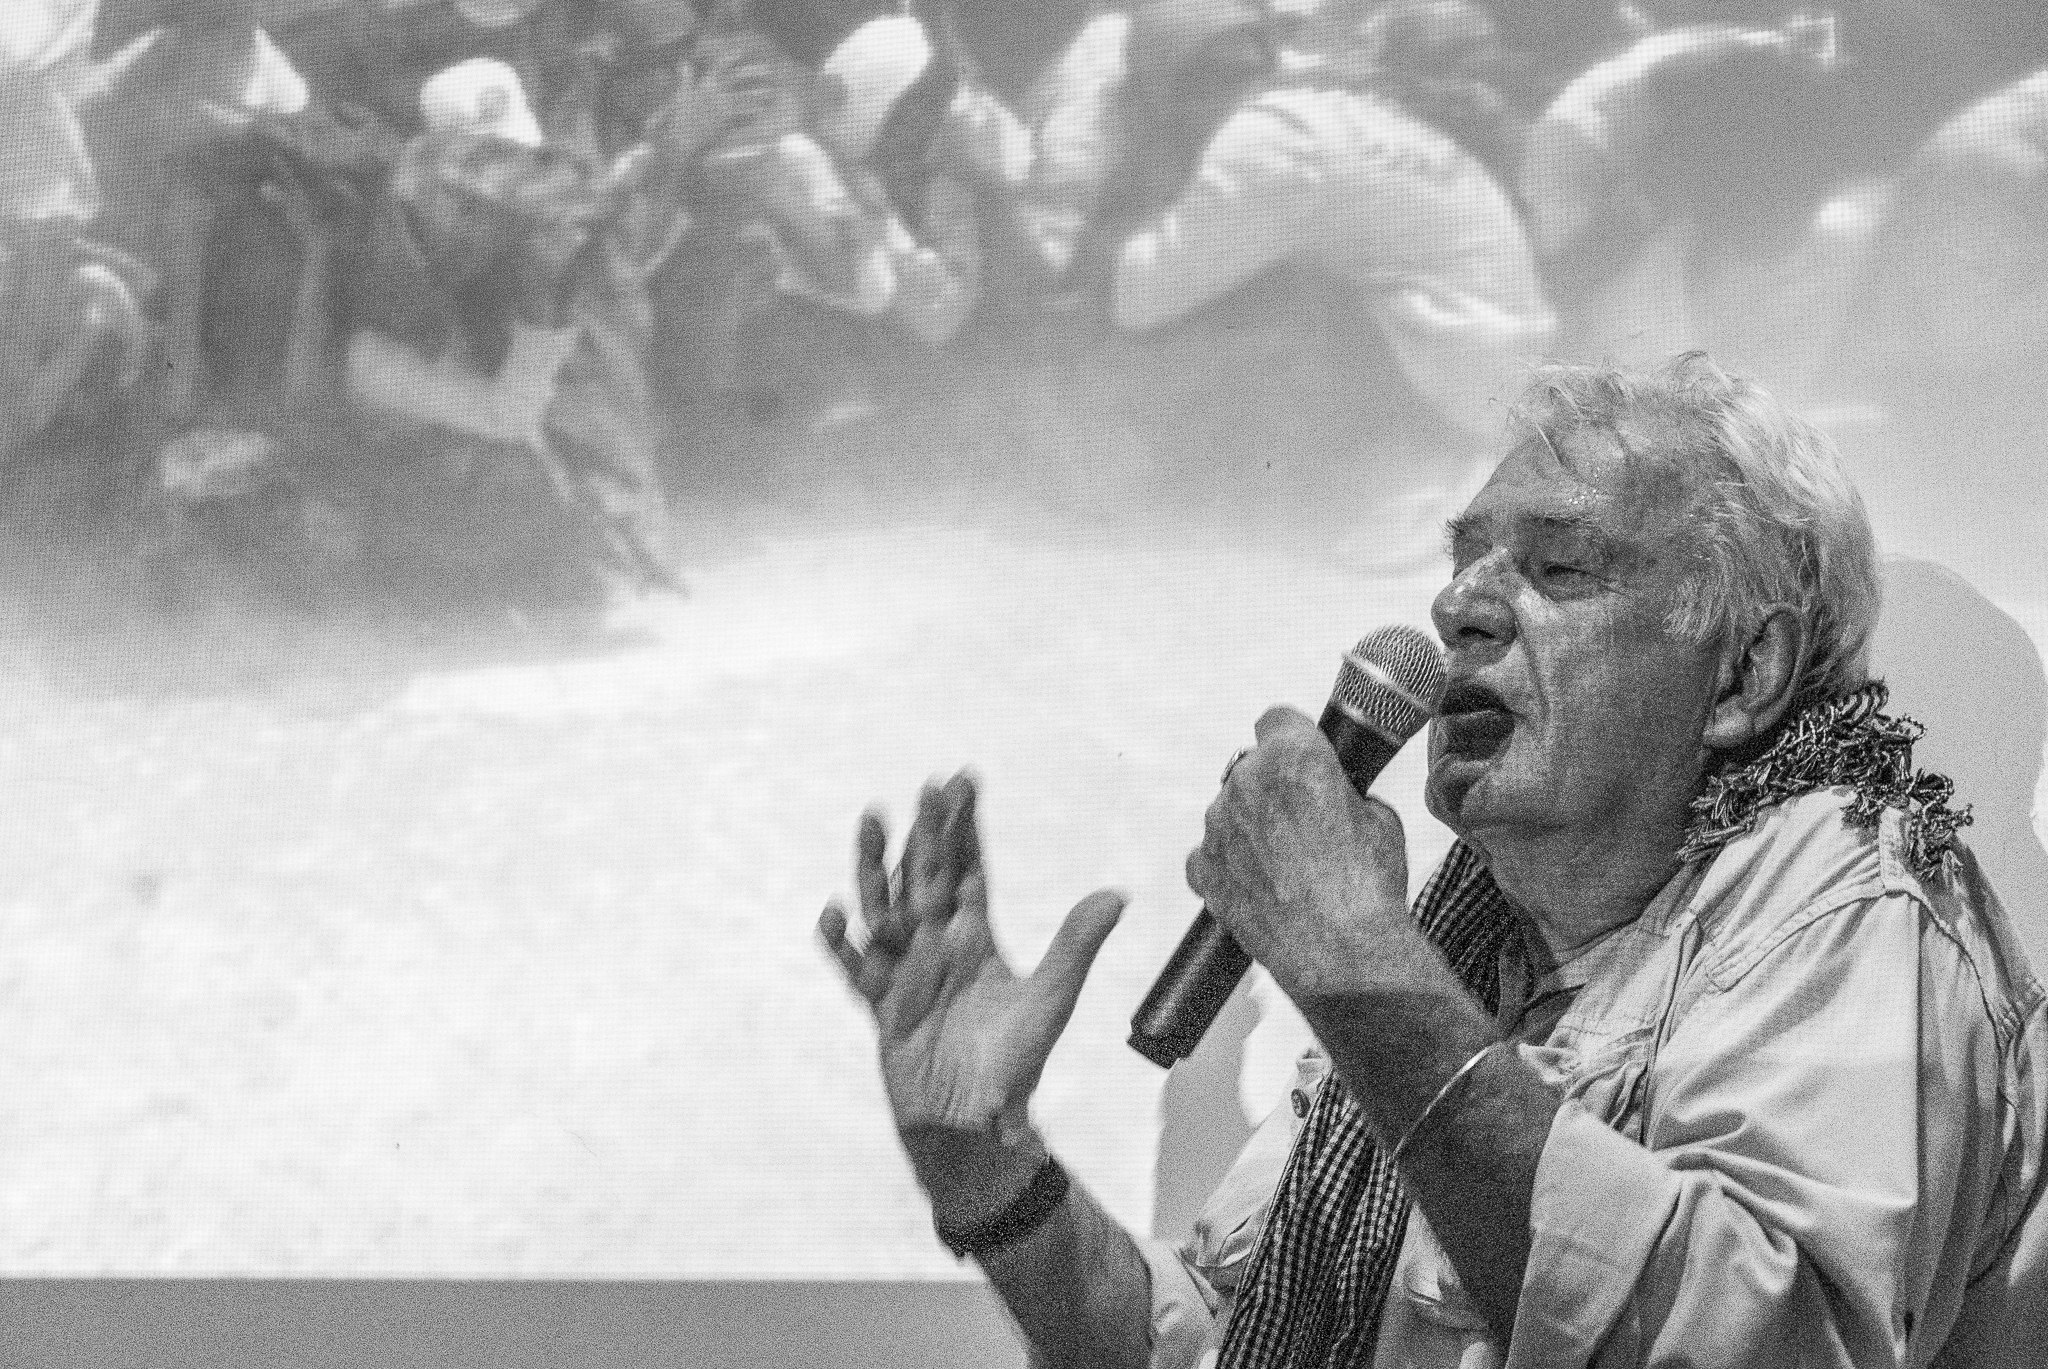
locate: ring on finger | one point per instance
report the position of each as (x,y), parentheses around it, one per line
(1231,764)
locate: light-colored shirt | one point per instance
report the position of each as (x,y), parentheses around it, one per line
(54,36)
(1587,156)
(1076,114)
(1349,183)
(937,271)
(1805,1098)
(1952,283)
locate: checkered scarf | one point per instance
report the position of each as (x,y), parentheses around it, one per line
(1311,1295)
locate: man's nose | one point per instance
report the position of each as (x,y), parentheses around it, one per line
(1472,612)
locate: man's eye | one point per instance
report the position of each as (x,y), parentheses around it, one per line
(1563,570)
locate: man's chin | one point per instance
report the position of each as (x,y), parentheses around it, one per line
(1464,749)
(1448,793)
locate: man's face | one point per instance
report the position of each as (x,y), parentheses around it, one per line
(1570,708)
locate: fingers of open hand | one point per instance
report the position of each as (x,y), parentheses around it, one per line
(938,876)
(878,904)
(925,974)
(967,931)
(964,829)
(921,874)
(1056,983)
(900,988)
(868,971)
(942,849)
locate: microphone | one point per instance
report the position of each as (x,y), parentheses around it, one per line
(1387,688)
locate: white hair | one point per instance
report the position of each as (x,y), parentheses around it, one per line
(1769,509)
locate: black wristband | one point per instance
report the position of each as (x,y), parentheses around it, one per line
(1025,1214)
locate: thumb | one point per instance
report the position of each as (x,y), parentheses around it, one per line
(1382,815)
(1056,983)
(1280,718)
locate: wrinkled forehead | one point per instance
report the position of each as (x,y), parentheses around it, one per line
(1639,466)
(1589,485)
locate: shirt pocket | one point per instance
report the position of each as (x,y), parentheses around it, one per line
(1606,1076)
(1231,1220)
(1443,1326)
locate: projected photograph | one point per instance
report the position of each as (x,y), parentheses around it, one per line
(495,489)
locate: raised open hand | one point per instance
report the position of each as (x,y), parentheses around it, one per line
(963,1037)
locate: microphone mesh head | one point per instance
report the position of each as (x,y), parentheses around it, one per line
(1391,681)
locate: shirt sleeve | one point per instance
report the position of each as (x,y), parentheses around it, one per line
(995,142)
(938,278)
(1770,1215)
(1251,205)
(1076,115)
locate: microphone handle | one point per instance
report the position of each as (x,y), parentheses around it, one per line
(1205,969)
(1189,993)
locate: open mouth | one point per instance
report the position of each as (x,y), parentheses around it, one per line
(1473,720)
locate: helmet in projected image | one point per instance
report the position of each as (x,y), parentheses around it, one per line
(863,79)
(481,95)
(496,14)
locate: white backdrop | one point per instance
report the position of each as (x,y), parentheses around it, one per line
(366,946)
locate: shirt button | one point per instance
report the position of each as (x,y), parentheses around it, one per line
(1300,1101)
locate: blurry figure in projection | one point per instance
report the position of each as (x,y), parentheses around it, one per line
(633,56)
(1443,61)
(1011,44)
(492,330)
(860,201)
(1958,281)
(1674,192)
(55,38)
(1545,47)
(1907,64)
(1960,666)
(72,329)
(170,136)
(808,30)
(919,136)
(375,55)
(773,220)
(1236,168)
(896,115)
(1075,110)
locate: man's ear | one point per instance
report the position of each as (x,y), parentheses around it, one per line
(1758,680)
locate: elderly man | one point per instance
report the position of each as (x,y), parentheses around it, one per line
(1706,1045)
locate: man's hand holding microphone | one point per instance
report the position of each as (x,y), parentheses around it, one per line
(1301,869)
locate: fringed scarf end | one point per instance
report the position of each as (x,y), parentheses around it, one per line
(1847,741)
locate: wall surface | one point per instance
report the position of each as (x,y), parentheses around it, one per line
(241,1324)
